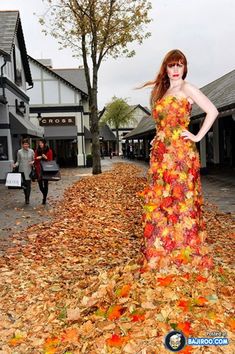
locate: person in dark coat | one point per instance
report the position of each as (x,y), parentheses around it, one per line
(42,153)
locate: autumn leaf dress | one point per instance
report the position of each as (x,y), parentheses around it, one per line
(174,231)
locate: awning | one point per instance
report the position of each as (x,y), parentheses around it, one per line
(20,125)
(67,132)
(106,133)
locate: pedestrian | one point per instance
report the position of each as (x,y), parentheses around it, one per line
(42,153)
(174,230)
(110,153)
(25,161)
(123,152)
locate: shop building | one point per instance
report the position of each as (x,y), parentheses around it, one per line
(138,112)
(15,84)
(59,104)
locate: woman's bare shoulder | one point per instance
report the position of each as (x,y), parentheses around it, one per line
(189,90)
(187,86)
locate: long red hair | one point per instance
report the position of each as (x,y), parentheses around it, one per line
(162,82)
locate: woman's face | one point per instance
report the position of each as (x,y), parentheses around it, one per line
(175,71)
(41,144)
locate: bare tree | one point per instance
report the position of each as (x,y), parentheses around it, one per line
(95,29)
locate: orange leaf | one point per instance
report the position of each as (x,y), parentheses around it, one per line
(165,280)
(116,340)
(52,341)
(124,291)
(200,301)
(185,327)
(231,323)
(114,312)
(51,344)
(51,351)
(187,350)
(70,335)
(15,341)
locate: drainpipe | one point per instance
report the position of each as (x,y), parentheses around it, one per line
(2,84)
(83,138)
(30,87)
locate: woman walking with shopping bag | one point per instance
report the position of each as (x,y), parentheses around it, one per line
(42,153)
(25,161)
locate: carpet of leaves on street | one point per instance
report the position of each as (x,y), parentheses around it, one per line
(78,286)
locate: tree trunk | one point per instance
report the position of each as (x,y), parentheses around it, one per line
(117,140)
(94,120)
(93,106)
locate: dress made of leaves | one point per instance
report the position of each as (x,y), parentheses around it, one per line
(174,231)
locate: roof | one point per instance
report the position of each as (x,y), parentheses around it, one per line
(58,76)
(146,125)
(145,109)
(10,28)
(106,133)
(221,92)
(75,76)
(132,108)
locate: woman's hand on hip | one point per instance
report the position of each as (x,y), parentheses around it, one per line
(188,135)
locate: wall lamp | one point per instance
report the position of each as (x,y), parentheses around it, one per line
(20,107)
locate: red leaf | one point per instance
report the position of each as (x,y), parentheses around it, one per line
(184,305)
(185,327)
(116,340)
(201,279)
(137,317)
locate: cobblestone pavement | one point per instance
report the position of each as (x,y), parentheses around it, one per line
(218,188)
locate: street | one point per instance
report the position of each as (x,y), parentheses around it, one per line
(218,189)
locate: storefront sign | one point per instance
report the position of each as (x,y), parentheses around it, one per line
(55,121)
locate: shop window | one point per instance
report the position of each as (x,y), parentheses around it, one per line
(3,148)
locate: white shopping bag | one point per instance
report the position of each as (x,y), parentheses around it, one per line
(13,180)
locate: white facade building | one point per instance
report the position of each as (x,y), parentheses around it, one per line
(15,81)
(59,104)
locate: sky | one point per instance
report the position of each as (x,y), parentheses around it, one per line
(203,29)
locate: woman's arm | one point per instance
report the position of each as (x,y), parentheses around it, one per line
(17,160)
(206,105)
(49,155)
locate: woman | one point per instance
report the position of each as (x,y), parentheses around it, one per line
(174,231)
(42,153)
(25,161)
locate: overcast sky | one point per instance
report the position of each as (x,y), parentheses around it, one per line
(203,29)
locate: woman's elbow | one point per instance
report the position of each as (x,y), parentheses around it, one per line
(216,112)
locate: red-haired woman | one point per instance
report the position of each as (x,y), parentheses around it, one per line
(174,231)
(42,153)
